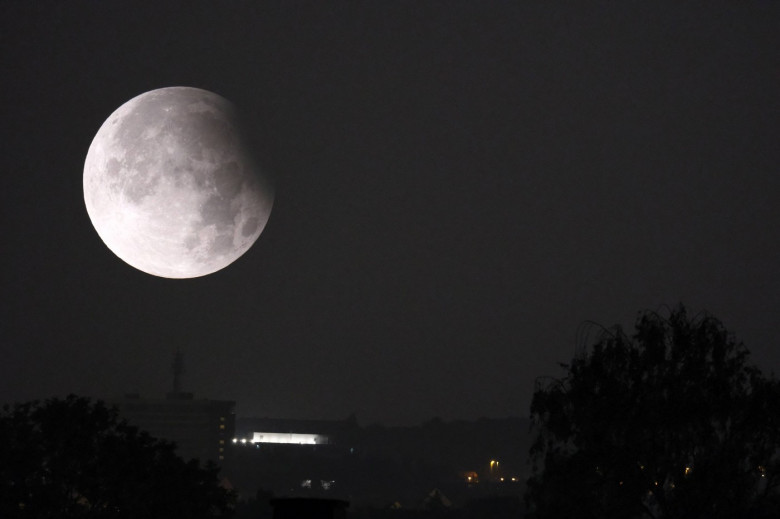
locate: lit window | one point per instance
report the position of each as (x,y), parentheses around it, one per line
(221,426)
(221,449)
(221,418)
(221,458)
(222,442)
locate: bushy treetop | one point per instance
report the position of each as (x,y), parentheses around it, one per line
(669,422)
(74,458)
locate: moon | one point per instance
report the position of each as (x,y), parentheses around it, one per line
(171,186)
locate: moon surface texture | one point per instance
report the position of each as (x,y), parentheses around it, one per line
(171,186)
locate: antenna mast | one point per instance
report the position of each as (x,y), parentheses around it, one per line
(177,368)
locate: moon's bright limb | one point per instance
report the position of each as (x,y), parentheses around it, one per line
(170,186)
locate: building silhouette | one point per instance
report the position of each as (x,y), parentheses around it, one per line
(200,428)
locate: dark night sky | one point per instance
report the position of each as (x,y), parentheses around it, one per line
(459,186)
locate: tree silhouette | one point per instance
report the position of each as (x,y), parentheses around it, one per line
(669,422)
(73,458)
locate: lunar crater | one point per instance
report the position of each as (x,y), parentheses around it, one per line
(171,188)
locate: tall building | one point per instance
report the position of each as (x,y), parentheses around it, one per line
(200,428)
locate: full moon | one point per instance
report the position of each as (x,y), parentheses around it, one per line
(172,187)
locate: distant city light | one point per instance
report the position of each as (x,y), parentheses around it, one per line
(470,476)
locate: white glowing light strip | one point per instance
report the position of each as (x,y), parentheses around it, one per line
(302,439)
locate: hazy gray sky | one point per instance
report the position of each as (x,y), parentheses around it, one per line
(459,186)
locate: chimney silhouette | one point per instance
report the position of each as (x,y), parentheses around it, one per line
(309,508)
(177,368)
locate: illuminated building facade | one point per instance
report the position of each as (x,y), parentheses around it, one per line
(286,438)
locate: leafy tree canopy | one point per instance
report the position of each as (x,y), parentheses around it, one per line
(670,422)
(74,458)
